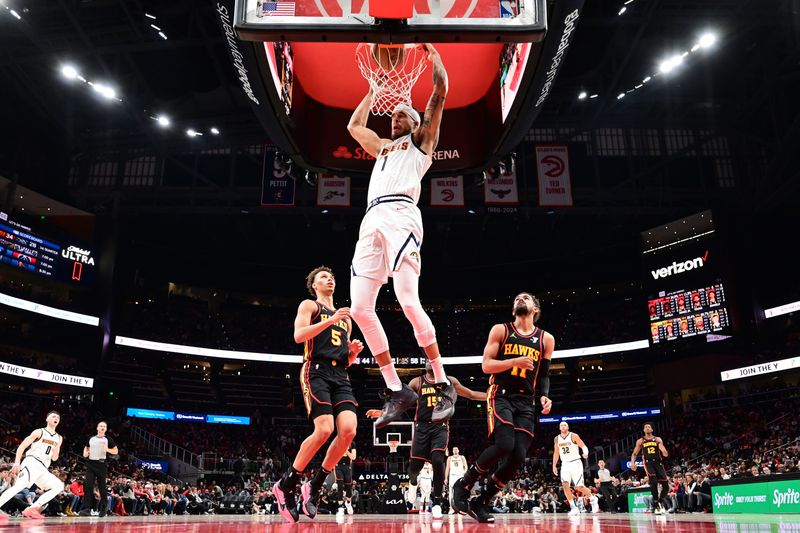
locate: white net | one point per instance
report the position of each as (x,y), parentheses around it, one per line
(393,445)
(391,72)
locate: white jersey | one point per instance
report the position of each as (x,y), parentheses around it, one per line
(458,466)
(567,449)
(399,169)
(425,480)
(42,448)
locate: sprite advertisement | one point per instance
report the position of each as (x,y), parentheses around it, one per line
(636,500)
(770,497)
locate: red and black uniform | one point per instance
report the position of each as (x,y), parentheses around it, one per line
(511,394)
(428,437)
(323,376)
(653,465)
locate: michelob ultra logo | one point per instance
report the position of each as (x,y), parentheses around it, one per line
(679,268)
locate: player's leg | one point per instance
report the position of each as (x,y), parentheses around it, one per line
(438,464)
(661,476)
(52,487)
(23,481)
(317,400)
(414,468)
(363,295)
(406,288)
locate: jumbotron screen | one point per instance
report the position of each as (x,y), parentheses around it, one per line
(687,313)
(26,249)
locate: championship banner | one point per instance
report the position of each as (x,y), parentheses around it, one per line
(501,190)
(44,375)
(555,183)
(333,191)
(447,192)
(278,186)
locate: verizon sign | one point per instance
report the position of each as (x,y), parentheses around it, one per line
(680,267)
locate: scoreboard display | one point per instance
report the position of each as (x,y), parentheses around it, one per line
(24,248)
(686,313)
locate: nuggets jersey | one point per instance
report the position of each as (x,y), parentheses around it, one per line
(428,398)
(515,379)
(567,449)
(425,479)
(42,448)
(330,344)
(399,169)
(650,451)
(458,466)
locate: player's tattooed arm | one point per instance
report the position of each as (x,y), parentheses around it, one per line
(427,136)
(662,447)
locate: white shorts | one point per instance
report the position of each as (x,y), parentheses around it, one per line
(390,237)
(33,472)
(453,479)
(572,473)
(425,488)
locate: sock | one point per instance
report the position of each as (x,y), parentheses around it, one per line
(319,480)
(391,378)
(492,488)
(290,479)
(439,375)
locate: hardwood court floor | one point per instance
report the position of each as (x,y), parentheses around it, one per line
(505,523)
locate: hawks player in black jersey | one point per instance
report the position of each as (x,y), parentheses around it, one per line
(327,394)
(430,438)
(517,355)
(653,452)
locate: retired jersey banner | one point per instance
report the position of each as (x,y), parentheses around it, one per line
(555,183)
(277,188)
(333,191)
(447,192)
(501,190)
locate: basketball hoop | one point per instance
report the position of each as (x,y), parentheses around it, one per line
(393,444)
(391,71)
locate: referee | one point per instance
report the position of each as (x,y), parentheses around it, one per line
(99,447)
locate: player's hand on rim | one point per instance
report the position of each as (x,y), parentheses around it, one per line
(547,404)
(432,52)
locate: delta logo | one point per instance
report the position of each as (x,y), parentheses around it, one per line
(680,268)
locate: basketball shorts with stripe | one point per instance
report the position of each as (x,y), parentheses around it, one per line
(516,410)
(428,438)
(326,389)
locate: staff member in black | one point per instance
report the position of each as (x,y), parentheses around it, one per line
(96,452)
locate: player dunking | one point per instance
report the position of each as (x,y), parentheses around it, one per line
(344,478)
(455,470)
(565,447)
(430,438)
(653,451)
(327,394)
(43,446)
(390,237)
(517,355)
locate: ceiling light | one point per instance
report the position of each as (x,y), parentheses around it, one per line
(623,10)
(148,15)
(161,34)
(16,15)
(594,96)
(668,65)
(215,131)
(193,133)
(163,121)
(69,72)
(707,40)
(582,96)
(620,96)
(155,27)
(105,91)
